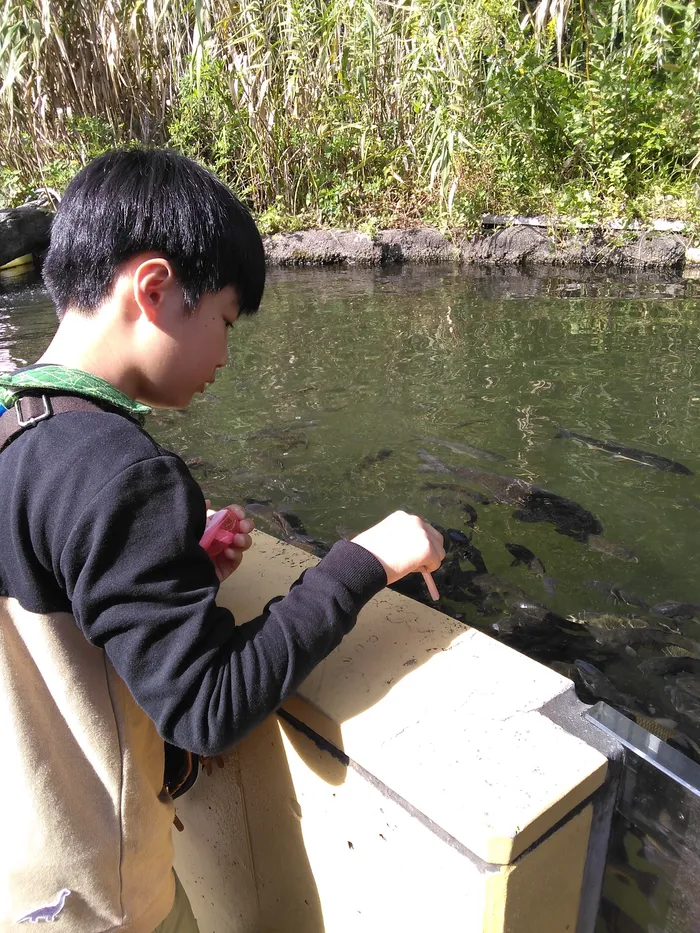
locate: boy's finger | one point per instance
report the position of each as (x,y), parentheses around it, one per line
(245,526)
(241,542)
(232,561)
(433,563)
(436,538)
(238,511)
(226,564)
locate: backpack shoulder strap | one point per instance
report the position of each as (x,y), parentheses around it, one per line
(29,410)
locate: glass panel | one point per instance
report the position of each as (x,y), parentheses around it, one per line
(652,879)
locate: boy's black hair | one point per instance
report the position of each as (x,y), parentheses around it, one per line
(130,201)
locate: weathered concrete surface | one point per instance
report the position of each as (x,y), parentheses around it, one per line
(414,783)
(517,245)
(510,246)
(331,247)
(322,247)
(418,245)
(523,245)
(23,230)
(631,251)
(26,230)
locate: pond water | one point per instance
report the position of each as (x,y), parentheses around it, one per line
(347,384)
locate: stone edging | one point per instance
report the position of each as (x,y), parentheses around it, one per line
(517,245)
(525,241)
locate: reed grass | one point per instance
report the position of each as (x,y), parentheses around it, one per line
(367,109)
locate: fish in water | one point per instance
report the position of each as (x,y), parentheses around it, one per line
(527,609)
(643,635)
(608,621)
(534,503)
(683,702)
(453,582)
(199,463)
(466,549)
(620,452)
(599,686)
(459,447)
(600,586)
(288,527)
(544,635)
(665,666)
(477,497)
(208,469)
(442,501)
(621,595)
(471,512)
(690,683)
(525,556)
(448,502)
(616,593)
(290,441)
(610,549)
(275,519)
(674,610)
(370,460)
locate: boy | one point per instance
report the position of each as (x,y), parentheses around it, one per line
(110,637)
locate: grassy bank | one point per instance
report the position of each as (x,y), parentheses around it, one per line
(369,112)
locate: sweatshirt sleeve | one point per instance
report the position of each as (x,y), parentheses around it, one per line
(143,589)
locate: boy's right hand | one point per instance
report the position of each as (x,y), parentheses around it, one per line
(402,544)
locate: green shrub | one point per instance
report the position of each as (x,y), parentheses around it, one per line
(367,112)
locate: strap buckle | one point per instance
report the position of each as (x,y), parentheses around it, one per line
(30,422)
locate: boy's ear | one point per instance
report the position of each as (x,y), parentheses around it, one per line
(154,282)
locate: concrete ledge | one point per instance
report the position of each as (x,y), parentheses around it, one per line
(502,241)
(414,781)
(526,242)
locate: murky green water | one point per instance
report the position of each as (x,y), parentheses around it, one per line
(336,384)
(340,366)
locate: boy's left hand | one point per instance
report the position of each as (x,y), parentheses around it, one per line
(230,559)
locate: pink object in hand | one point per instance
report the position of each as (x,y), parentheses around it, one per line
(219,533)
(430,583)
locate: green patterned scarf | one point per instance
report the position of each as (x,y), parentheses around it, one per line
(71,381)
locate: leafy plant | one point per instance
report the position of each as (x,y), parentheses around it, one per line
(368,111)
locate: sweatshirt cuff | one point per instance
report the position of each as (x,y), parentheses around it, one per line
(356,568)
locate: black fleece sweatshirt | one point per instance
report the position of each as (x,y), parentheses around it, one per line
(99,521)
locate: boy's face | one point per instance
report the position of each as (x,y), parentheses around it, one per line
(188,349)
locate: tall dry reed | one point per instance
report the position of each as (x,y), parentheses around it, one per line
(315,105)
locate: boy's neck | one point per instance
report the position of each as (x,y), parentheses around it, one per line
(94,345)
